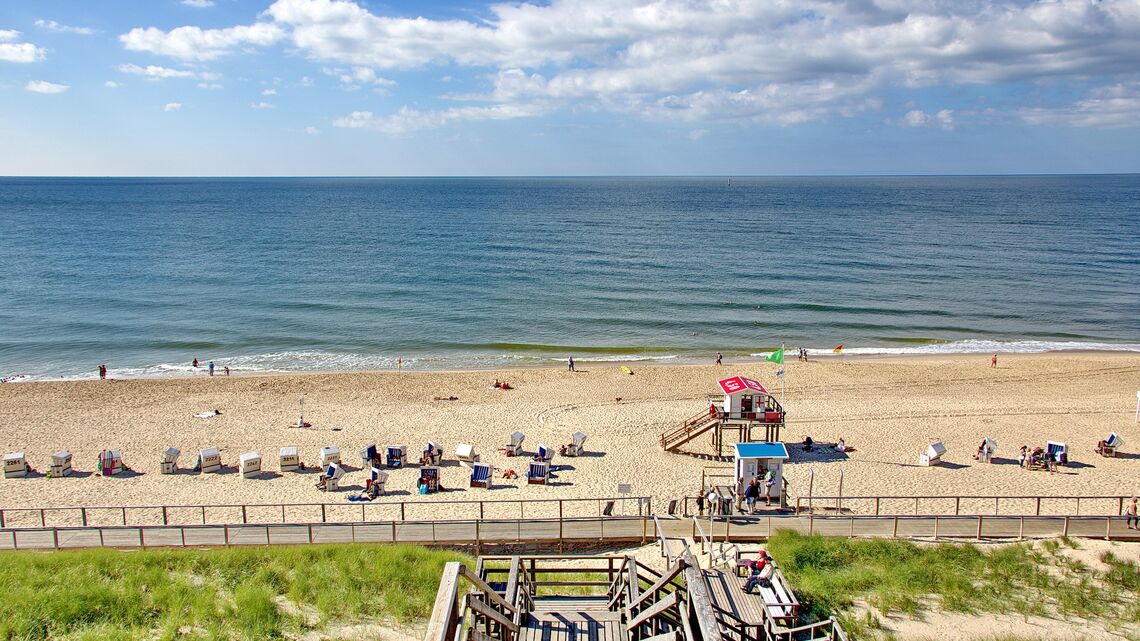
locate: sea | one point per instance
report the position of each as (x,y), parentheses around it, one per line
(332,274)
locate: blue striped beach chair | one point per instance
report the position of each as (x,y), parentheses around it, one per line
(481,474)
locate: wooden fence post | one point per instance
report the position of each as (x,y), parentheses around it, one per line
(895,529)
(980,527)
(165,520)
(1066,530)
(243,515)
(323,513)
(957,505)
(1021,529)
(1038,506)
(82,517)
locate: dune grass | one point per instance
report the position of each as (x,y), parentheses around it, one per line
(831,574)
(235,593)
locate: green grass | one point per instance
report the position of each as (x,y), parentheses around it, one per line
(213,594)
(831,574)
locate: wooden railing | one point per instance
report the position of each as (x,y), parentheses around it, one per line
(492,617)
(945,505)
(690,427)
(268,513)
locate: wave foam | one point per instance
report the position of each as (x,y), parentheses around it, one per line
(977,347)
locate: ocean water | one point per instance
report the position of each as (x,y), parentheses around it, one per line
(347,274)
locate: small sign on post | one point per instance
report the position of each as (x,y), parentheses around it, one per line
(624,488)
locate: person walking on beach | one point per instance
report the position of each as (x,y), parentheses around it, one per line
(399,362)
(102,372)
(993,361)
(718,358)
(1130,513)
(226,370)
(211,368)
(570,363)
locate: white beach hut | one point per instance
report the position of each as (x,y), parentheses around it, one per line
(289,459)
(61,463)
(330,480)
(369,456)
(329,454)
(249,465)
(209,460)
(577,445)
(514,448)
(15,465)
(169,462)
(750,457)
(933,454)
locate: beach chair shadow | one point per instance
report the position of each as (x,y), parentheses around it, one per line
(1127,455)
(1077,465)
(951,466)
(396,493)
(819,454)
(997,460)
(591,455)
(268,476)
(127,474)
(78,475)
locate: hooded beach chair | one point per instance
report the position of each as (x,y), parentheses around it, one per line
(989,448)
(539,472)
(429,480)
(397,455)
(15,465)
(433,454)
(1108,446)
(377,478)
(330,480)
(1057,452)
(369,456)
(544,453)
(289,459)
(576,446)
(249,465)
(329,454)
(481,474)
(933,454)
(110,462)
(61,464)
(209,460)
(168,464)
(514,448)
(465,452)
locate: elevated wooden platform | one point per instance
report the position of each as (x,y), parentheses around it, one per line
(573,619)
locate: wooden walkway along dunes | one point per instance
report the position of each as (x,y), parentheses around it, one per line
(552,532)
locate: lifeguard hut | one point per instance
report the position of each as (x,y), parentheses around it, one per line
(748,460)
(741,407)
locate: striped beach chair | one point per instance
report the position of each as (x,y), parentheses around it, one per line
(481,474)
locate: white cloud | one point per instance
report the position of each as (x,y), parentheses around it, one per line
(269,92)
(111,84)
(757,61)
(172,106)
(12,51)
(261,105)
(198,4)
(52,25)
(195,43)
(1113,106)
(209,86)
(697,134)
(312,131)
(306,81)
(944,118)
(43,86)
(407,120)
(156,72)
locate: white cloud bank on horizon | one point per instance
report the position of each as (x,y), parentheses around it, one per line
(753,61)
(43,86)
(20,52)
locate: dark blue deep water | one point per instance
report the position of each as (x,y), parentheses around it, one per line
(331,274)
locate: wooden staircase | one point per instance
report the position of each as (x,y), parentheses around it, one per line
(690,429)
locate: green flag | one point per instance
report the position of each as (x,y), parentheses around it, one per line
(776,356)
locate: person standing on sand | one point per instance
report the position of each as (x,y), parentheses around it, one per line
(102,372)
(399,362)
(226,370)
(211,368)
(993,361)
(718,358)
(570,363)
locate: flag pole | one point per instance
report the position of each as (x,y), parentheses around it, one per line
(783,374)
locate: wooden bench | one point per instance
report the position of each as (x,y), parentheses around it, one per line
(779,600)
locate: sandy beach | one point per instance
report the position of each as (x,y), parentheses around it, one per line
(887,408)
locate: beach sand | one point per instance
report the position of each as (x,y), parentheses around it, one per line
(887,408)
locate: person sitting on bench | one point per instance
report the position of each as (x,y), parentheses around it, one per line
(757,574)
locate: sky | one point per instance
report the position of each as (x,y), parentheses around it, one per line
(568,87)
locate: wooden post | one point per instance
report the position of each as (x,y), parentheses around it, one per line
(481,510)
(876,506)
(82,517)
(935,527)
(124,509)
(362,517)
(323,513)
(402,510)
(13,536)
(44,523)
(1066,530)
(203,515)
(1108,529)
(811,524)
(1038,513)
(243,516)
(165,520)
(182,532)
(1078,506)
(957,505)
(979,537)
(55,537)
(895,529)
(1021,529)
(226,533)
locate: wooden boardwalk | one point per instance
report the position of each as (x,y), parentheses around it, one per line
(727,594)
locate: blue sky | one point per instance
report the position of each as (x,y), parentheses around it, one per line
(573,87)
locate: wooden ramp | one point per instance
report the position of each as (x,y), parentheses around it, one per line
(573,619)
(728,595)
(689,430)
